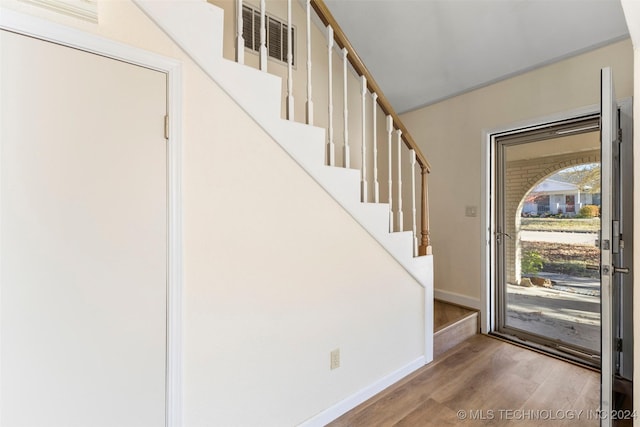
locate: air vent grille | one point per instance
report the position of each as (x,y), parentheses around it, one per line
(276,34)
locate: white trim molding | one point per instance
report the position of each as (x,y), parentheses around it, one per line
(45,30)
(487,323)
(456,298)
(344,406)
(83,9)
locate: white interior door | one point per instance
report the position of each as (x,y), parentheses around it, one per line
(83,238)
(608,136)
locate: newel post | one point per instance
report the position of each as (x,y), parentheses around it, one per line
(425,243)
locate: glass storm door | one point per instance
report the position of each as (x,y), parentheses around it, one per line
(547,186)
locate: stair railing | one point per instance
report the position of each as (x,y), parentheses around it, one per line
(399,142)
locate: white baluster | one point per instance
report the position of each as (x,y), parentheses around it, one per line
(412,157)
(345,109)
(399,216)
(309,109)
(331,146)
(363,178)
(376,185)
(239,37)
(389,146)
(263,36)
(289,64)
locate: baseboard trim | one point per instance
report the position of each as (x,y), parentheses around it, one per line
(459,299)
(344,406)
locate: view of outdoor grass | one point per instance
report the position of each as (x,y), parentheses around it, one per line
(584,225)
(569,259)
(560,258)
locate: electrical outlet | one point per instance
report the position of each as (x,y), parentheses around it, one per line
(335,358)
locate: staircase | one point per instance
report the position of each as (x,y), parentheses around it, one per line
(197,27)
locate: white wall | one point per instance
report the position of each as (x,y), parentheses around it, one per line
(632,14)
(276,273)
(451,135)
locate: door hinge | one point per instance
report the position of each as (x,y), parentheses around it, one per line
(619,135)
(166,127)
(619,344)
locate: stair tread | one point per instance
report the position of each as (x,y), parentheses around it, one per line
(445,313)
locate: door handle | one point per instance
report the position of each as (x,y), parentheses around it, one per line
(623,270)
(500,233)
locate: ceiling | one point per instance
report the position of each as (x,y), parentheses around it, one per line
(424,51)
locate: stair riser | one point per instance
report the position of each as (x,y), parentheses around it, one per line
(452,335)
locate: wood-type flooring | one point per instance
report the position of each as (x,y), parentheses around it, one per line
(486,382)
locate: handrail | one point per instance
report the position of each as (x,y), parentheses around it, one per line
(327,19)
(335,35)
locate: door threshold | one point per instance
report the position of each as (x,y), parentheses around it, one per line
(583,361)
